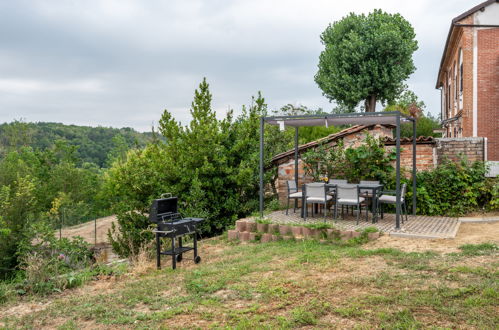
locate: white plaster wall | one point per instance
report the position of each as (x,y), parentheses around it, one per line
(490,16)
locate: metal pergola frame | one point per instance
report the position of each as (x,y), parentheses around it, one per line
(358,118)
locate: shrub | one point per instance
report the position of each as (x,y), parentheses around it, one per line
(370,161)
(452,189)
(49,264)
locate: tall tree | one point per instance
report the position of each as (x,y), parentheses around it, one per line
(366,58)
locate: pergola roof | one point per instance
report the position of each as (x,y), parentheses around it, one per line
(356,118)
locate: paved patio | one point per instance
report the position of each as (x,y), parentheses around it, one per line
(415,227)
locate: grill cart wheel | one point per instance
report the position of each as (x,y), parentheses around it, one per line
(179,258)
(197,260)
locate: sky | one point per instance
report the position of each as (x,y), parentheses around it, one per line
(120,63)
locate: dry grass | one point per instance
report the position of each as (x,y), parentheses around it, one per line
(288,285)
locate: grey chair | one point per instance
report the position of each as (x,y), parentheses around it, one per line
(338,181)
(332,192)
(349,195)
(293,193)
(315,193)
(367,192)
(389,197)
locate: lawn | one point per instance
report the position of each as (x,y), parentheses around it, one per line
(284,285)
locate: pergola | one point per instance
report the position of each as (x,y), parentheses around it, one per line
(394,118)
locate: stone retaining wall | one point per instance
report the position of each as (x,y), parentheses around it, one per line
(247,231)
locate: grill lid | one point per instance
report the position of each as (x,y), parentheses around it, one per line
(163,209)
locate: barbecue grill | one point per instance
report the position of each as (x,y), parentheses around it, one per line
(170,224)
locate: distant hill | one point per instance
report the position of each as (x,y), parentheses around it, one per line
(93,143)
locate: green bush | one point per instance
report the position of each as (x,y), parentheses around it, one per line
(51,264)
(452,189)
(370,161)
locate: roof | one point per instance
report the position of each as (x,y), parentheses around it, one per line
(345,132)
(327,139)
(407,140)
(354,118)
(454,22)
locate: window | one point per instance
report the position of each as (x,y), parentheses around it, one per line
(455,82)
(461,70)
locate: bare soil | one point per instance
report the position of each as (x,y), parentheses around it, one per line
(87,230)
(469,233)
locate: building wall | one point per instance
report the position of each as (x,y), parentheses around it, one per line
(477,106)
(454,149)
(488,89)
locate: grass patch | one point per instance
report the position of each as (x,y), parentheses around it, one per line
(289,284)
(479,249)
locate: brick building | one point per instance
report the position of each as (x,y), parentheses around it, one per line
(468,77)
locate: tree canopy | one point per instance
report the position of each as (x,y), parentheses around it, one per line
(366,58)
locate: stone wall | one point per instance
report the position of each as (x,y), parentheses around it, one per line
(472,148)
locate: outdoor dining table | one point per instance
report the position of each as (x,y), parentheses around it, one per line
(374,188)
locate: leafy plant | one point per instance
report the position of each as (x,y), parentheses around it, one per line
(452,189)
(370,161)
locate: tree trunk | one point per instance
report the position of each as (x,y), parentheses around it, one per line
(370,103)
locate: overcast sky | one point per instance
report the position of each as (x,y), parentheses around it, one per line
(121,63)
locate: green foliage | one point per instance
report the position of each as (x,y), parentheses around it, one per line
(49,263)
(479,249)
(451,189)
(369,161)
(211,165)
(16,203)
(37,185)
(409,104)
(91,144)
(366,58)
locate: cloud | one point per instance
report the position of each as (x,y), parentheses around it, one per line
(121,62)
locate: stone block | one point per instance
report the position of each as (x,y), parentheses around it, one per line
(241,225)
(284,229)
(244,236)
(233,235)
(373,236)
(262,227)
(296,231)
(252,236)
(266,238)
(307,232)
(251,227)
(355,234)
(288,238)
(275,238)
(273,228)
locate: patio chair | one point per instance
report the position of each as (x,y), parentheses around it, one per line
(336,182)
(349,195)
(367,192)
(293,193)
(315,193)
(389,197)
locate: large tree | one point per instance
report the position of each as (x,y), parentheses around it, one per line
(366,58)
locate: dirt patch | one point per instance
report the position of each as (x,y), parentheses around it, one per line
(26,308)
(469,233)
(87,230)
